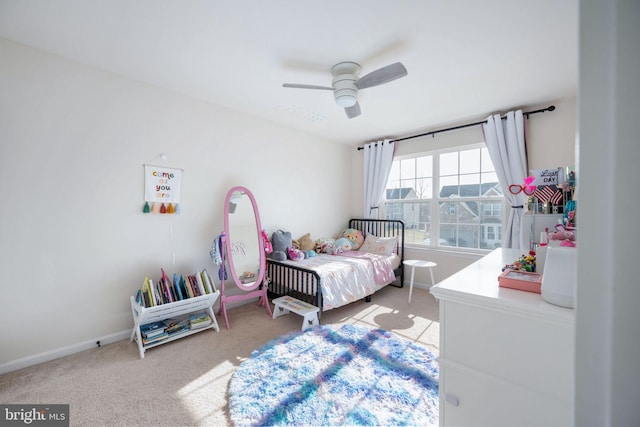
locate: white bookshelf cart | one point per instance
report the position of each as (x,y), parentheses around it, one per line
(173,310)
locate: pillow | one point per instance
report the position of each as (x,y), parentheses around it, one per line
(379,245)
(354,236)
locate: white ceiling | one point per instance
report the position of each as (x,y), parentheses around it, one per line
(465,58)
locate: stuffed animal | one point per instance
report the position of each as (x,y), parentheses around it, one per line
(305,243)
(280,241)
(295,254)
(343,243)
(321,242)
(331,249)
(354,236)
(566,237)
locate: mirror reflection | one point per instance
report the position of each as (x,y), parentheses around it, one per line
(243,238)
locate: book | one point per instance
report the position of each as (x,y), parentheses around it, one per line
(153,299)
(200,320)
(156,338)
(191,279)
(208,282)
(187,287)
(150,330)
(165,283)
(176,285)
(146,302)
(200,283)
(175,326)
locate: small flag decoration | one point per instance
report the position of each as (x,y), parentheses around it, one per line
(544,193)
(557,197)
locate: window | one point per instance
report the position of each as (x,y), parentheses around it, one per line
(448,198)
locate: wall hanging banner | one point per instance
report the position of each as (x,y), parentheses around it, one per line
(161,189)
(548,176)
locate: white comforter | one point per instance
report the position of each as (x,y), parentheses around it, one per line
(350,276)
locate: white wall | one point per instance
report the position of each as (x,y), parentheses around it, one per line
(550,143)
(607,389)
(75,243)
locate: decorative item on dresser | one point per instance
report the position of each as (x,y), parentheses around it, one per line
(506,356)
(306,283)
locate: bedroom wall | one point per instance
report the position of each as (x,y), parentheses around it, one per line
(551,140)
(75,243)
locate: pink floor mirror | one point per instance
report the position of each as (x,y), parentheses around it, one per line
(243,250)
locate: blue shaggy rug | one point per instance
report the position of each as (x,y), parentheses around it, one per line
(332,375)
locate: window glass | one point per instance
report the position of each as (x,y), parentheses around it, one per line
(467,212)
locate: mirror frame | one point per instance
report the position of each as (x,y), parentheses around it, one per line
(228,247)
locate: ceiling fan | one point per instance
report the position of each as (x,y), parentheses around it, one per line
(346,83)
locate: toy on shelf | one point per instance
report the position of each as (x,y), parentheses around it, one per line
(565,236)
(526,262)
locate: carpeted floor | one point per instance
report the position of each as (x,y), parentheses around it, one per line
(334,375)
(185,382)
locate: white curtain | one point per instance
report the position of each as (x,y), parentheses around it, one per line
(378,158)
(506,146)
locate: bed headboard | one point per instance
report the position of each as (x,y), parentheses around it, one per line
(382,228)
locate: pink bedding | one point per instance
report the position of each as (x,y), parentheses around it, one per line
(381,264)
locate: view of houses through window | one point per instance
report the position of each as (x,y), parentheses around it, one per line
(447,198)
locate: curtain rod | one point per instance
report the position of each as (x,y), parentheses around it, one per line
(433,132)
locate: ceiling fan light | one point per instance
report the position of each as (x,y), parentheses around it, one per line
(346,100)
(345,94)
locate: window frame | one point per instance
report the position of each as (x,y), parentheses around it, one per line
(435,201)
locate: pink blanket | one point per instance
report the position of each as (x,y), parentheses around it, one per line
(381,264)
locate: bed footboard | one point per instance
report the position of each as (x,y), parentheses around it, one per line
(307,283)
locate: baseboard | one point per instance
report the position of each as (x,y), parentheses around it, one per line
(417,285)
(25,362)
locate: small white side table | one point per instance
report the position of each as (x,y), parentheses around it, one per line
(413,263)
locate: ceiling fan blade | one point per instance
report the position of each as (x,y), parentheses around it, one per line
(381,76)
(296,86)
(353,111)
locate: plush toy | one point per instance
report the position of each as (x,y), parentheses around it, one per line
(321,242)
(280,241)
(566,237)
(354,236)
(295,254)
(305,243)
(268,248)
(526,262)
(343,243)
(309,254)
(331,249)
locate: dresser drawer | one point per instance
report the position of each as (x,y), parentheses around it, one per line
(533,353)
(472,399)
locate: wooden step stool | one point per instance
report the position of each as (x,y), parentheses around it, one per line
(286,304)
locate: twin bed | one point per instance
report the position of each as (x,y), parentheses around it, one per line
(331,281)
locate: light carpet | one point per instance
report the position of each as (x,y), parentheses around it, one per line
(336,375)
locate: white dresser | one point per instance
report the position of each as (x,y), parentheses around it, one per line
(506,356)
